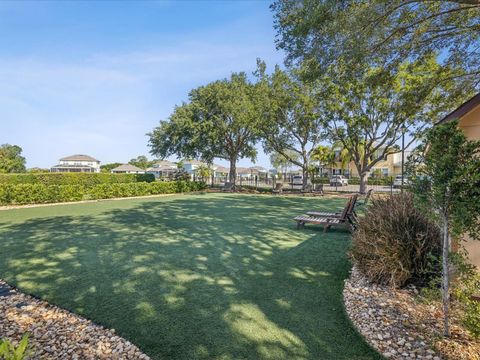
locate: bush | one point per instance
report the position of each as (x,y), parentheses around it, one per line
(466,287)
(395,243)
(39,193)
(85,179)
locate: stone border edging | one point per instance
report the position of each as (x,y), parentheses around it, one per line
(57,334)
(378,315)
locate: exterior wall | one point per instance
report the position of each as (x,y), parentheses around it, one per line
(470,124)
(93,164)
(384,165)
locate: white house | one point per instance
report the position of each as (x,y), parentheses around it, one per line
(127,169)
(163,169)
(77,163)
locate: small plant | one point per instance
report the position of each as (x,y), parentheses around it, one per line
(466,287)
(395,244)
(10,352)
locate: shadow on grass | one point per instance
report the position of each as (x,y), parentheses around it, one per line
(192,277)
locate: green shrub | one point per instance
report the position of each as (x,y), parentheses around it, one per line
(39,193)
(10,352)
(466,286)
(395,243)
(85,179)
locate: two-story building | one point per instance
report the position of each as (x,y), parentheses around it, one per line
(77,163)
(388,166)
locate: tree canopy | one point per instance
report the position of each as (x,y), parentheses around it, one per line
(218,121)
(11,159)
(291,123)
(319,32)
(142,162)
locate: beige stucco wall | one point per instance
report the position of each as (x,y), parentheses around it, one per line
(388,164)
(470,124)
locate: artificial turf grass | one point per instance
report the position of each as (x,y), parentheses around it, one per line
(191,277)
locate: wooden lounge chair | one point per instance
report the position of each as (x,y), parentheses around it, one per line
(278,188)
(344,219)
(349,208)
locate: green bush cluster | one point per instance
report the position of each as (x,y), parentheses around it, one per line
(85,179)
(466,290)
(21,194)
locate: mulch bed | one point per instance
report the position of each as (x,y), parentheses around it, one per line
(397,325)
(55,333)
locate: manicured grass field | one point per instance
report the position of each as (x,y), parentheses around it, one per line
(191,277)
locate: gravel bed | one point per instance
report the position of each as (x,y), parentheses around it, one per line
(55,333)
(398,326)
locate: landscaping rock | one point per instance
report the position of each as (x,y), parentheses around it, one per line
(55,333)
(399,327)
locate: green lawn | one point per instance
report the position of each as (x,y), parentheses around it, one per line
(191,277)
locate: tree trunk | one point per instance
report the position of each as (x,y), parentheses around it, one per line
(363,182)
(446,276)
(232,176)
(305,178)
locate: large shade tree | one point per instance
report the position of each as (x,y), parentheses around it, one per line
(291,124)
(218,121)
(11,159)
(386,67)
(368,112)
(318,32)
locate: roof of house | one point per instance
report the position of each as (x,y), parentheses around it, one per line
(221,169)
(243,170)
(462,109)
(127,167)
(258,169)
(194,162)
(79,157)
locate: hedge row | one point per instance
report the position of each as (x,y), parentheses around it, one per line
(85,179)
(40,194)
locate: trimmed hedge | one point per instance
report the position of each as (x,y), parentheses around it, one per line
(85,179)
(21,194)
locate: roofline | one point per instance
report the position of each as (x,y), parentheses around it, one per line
(462,109)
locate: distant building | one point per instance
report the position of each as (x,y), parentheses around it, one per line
(128,169)
(77,163)
(163,169)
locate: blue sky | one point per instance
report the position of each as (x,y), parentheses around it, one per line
(95,77)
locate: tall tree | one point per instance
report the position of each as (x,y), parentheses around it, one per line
(318,32)
(446,167)
(291,122)
(368,111)
(219,121)
(11,159)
